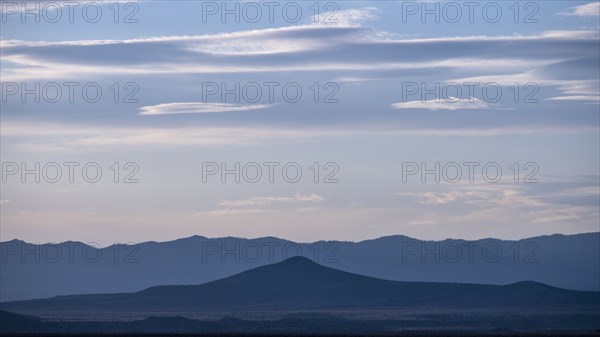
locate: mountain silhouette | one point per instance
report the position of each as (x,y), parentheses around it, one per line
(299,283)
(564,261)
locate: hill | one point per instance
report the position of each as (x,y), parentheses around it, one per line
(301,284)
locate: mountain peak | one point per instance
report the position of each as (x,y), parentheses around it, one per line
(300,283)
(299,259)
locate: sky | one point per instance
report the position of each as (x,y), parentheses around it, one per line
(155,120)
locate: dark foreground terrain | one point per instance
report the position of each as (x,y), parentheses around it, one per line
(441,325)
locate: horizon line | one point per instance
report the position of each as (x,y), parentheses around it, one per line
(297,242)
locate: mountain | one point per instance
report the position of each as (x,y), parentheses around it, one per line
(301,284)
(564,261)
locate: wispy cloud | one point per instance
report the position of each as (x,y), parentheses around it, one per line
(255,201)
(56,137)
(348,17)
(297,48)
(588,10)
(226,212)
(197,108)
(249,211)
(481,203)
(451,103)
(440,198)
(578,90)
(571,89)
(576,98)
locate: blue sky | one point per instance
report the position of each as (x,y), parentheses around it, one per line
(365,56)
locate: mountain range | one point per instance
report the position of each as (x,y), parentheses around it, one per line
(565,261)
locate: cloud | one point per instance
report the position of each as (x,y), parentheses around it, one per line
(255,201)
(575,98)
(441,198)
(307,209)
(572,89)
(248,211)
(348,17)
(451,103)
(498,203)
(448,197)
(588,10)
(41,137)
(249,206)
(578,90)
(50,136)
(581,191)
(226,212)
(197,108)
(307,47)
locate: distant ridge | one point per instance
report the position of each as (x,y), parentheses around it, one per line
(396,236)
(299,283)
(564,261)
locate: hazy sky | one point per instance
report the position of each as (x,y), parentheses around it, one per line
(180,84)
